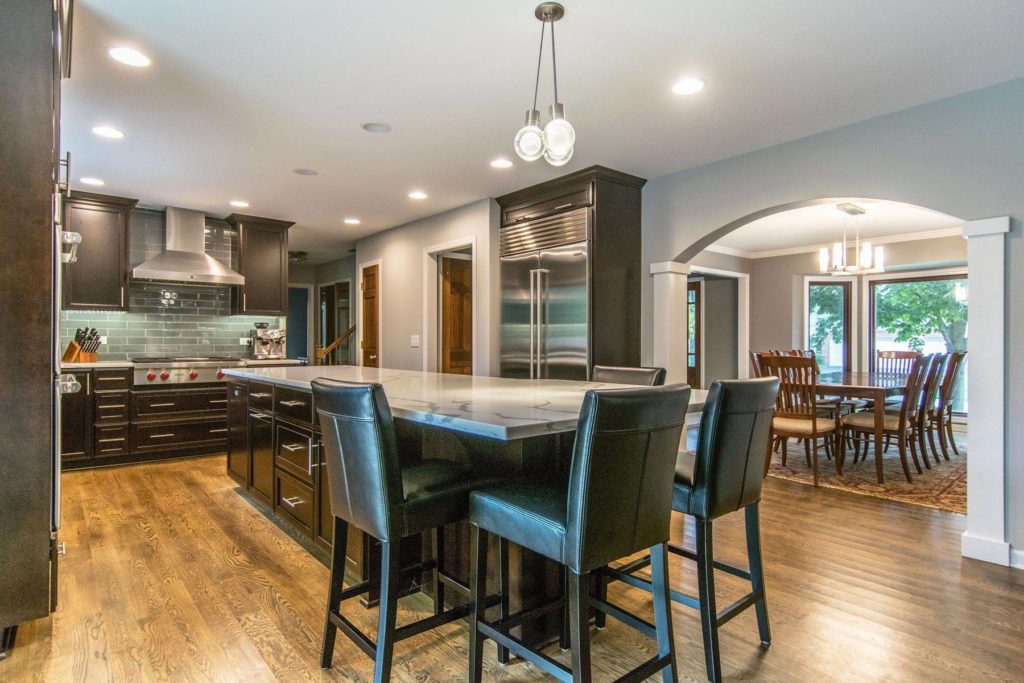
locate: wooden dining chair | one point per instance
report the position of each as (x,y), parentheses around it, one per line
(797,413)
(895,362)
(940,418)
(899,422)
(755,363)
(929,402)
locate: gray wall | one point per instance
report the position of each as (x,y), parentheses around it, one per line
(720,329)
(961,156)
(406,294)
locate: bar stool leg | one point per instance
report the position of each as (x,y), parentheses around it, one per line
(756,564)
(600,618)
(389,580)
(708,608)
(503,578)
(340,538)
(478,589)
(563,637)
(579,625)
(438,570)
(663,611)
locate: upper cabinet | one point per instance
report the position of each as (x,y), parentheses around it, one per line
(99,276)
(263,261)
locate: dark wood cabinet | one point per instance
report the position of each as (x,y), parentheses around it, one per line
(261,456)
(76,420)
(238,432)
(263,261)
(97,280)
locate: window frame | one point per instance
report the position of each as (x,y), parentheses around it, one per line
(852,341)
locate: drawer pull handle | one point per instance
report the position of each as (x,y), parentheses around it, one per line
(564,206)
(293,404)
(261,418)
(161,436)
(292,447)
(259,394)
(112,406)
(111,440)
(218,431)
(110,450)
(293,502)
(110,379)
(218,400)
(161,405)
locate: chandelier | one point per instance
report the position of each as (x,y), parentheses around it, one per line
(868,259)
(556,141)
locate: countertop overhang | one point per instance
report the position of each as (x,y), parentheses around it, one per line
(492,407)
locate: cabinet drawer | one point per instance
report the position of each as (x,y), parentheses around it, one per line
(111,441)
(261,397)
(152,404)
(294,405)
(112,380)
(294,500)
(295,451)
(156,437)
(546,205)
(112,408)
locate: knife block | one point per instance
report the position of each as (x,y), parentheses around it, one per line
(75,354)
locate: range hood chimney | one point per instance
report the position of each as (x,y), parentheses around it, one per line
(184,259)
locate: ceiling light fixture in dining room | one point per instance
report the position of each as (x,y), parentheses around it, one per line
(557,141)
(868,259)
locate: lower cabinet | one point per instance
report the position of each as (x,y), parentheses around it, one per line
(261,456)
(294,502)
(238,432)
(76,431)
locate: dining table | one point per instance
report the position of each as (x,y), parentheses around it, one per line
(876,386)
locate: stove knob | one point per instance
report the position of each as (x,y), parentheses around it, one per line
(193,374)
(165,375)
(220,374)
(151,376)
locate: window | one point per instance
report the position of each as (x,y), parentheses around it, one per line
(828,324)
(925,314)
(693,332)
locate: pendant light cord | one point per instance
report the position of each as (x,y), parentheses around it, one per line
(554,63)
(540,55)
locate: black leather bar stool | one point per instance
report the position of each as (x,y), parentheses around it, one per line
(389,500)
(651,377)
(617,502)
(724,475)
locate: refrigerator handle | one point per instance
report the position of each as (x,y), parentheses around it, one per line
(533,313)
(542,323)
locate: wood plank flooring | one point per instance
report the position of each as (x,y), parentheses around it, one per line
(172,575)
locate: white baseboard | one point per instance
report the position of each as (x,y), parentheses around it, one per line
(985,549)
(1017,558)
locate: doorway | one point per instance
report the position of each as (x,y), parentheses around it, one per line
(455,325)
(335,318)
(298,325)
(694,328)
(370,313)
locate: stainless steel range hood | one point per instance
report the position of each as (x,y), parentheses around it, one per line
(184,259)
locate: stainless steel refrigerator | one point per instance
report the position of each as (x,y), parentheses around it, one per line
(545,297)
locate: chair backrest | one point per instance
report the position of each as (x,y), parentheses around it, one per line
(361,455)
(895,362)
(733,438)
(797,377)
(951,378)
(623,465)
(755,363)
(916,380)
(930,390)
(651,377)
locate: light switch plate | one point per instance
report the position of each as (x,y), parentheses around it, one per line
(244,341)
(414,341)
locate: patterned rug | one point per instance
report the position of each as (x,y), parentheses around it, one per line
(944,486)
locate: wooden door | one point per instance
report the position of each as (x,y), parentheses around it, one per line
(370,287)
(456,315)
(693,314)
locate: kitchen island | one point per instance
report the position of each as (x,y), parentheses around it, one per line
(507,427)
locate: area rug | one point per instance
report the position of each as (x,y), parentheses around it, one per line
(944,486)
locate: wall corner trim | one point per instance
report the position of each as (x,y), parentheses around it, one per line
(670,267)
(986,226)
(1016,558)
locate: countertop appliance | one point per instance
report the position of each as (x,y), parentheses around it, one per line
(160,370)
(545,297)
(268,343)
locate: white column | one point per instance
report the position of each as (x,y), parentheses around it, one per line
(669,311)
(985,537)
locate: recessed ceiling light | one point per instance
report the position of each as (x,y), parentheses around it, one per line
(239,203)
(91,181)
(688,86)
(501,163)
(352,221)
(377,127)
(129,56)
(305,171)
(417,194)
(108,132)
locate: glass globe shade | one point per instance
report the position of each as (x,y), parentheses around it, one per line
(529,143)
(558,160)
(559,137)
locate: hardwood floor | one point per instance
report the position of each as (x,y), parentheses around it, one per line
(172,575)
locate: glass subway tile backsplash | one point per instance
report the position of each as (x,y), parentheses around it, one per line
(168,319)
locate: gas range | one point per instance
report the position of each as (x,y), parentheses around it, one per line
(157,370)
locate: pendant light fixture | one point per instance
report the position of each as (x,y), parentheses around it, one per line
(557,140)
(868,259)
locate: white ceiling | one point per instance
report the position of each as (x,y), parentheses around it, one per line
(823,224)
(242,91)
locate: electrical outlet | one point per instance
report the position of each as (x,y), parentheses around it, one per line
(414,341)
(244,341)
(103,340)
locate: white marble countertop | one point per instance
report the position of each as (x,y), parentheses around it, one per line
(493,407)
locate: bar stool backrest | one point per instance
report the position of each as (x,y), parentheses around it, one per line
(623,464)
(651,377)
(733,439)
(361,455)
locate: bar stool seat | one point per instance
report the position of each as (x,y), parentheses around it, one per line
(529,514)
(436,493)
